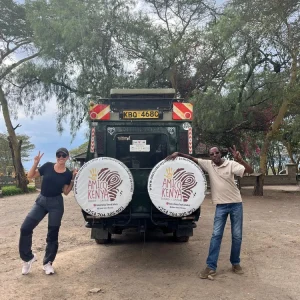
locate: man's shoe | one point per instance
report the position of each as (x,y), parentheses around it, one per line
(204,274)
(237,269)
(48,268)
(27,265)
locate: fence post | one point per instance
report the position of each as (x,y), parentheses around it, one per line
(291,170)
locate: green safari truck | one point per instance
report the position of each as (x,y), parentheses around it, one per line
(162,124)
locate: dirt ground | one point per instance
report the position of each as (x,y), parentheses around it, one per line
(158,268)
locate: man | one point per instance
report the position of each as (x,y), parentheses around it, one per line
(228,200)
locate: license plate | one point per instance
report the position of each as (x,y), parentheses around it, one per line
(140,114)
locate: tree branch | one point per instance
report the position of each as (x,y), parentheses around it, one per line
(251,71)
(17,126)
(237,126)
(9,51)
(75,91)
(15,65)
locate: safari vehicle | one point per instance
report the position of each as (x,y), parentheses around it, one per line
(163,124)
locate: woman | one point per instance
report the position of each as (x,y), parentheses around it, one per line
(57,179)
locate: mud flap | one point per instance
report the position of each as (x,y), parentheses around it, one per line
(185,231)
(99,233)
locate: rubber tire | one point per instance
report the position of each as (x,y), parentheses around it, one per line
(104,241)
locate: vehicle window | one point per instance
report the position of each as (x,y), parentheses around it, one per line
(152,149)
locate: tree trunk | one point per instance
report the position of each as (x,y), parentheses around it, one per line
(272,167)
(290,152)
(173,78)
(259,185)
(276,124)
(15,145)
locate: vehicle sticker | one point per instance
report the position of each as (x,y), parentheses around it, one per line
(171,130)
(111,130)
(139,148)
(190,140)
(186,125)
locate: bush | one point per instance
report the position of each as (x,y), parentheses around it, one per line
(31,189)
(13,190)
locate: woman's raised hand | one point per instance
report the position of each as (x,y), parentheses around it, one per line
(38,158)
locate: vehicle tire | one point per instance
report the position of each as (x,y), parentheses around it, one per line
(103,187)
(104,241)
(181,239)
(177,187)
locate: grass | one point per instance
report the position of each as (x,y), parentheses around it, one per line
(13,190)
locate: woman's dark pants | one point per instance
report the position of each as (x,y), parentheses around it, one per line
(54,207)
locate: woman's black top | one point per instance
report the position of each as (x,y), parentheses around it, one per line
(53,182)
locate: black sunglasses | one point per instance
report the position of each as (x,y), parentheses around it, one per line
(59,155)
(212,154)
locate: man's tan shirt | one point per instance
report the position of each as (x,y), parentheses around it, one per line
(223,187)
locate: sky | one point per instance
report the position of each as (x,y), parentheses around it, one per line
(44,135)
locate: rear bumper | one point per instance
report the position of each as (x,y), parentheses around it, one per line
(143,221)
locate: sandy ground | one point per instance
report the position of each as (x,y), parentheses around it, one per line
(158,268)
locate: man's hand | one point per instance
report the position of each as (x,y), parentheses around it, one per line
(172,156)
(236,154)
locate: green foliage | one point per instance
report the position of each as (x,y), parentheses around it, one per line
(13,190)
(5,151)
(245,99)
(80,60)
(166,41)
(237,63)
(79,150)
(82,149)
(13,14)
(16,36)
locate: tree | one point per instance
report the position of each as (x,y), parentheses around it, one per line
(16,41)
(261,83)
(290,135)
(81,59)
(5,151)
(278,26)
(165,43)
(82,149)
(79,150)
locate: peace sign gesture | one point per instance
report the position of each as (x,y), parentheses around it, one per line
(236,154)
(38,158)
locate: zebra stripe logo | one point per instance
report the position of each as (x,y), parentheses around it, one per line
(113,180)
(188,182)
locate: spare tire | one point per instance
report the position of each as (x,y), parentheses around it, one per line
(177,187)
(103,187)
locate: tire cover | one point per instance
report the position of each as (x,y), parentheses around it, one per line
(177,187)
(103,187)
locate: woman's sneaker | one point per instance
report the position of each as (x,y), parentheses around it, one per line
(27,265)
(48,268)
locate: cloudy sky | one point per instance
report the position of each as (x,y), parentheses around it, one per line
(43,134)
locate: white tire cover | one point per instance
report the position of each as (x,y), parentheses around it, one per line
(103,187)
(177,187)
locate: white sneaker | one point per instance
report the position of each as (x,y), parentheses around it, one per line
(27,265)
(48,268)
